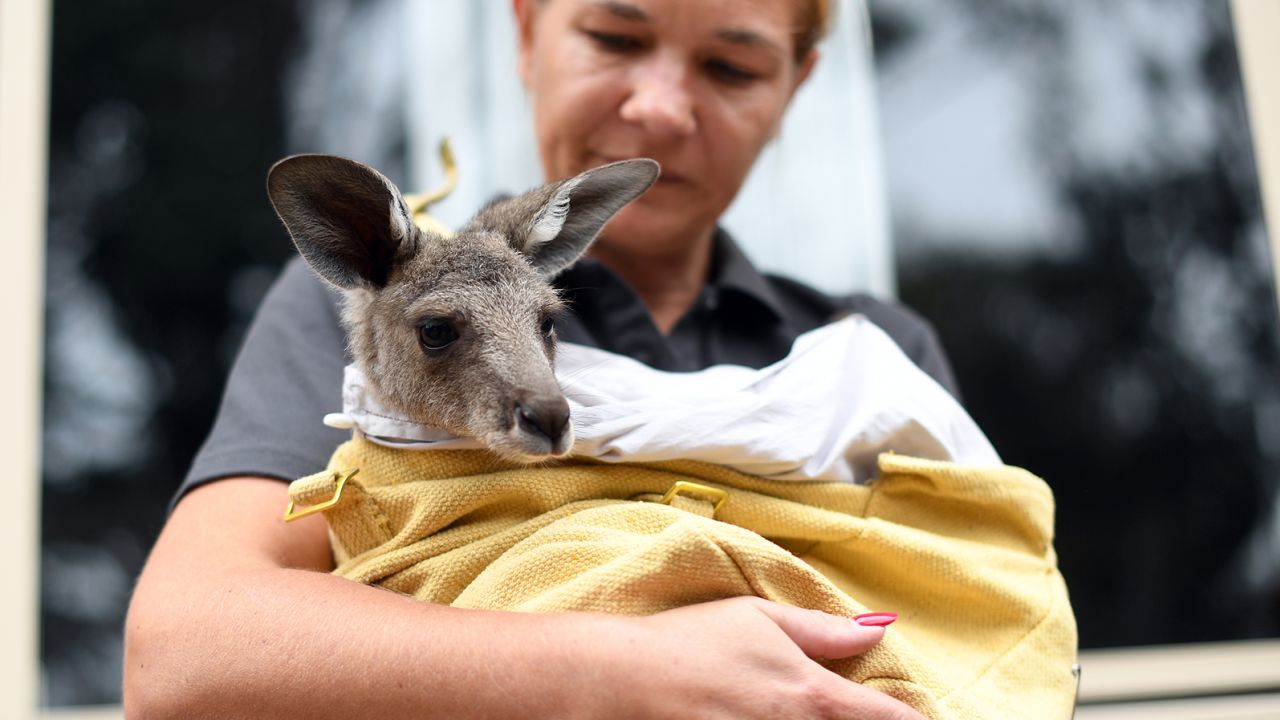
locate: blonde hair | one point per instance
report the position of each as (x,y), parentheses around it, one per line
(814,26)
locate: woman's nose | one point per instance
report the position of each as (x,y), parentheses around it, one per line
(661,100)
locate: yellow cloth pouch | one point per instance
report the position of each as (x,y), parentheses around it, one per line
(963,554)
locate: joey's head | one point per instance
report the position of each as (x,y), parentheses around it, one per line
(457,333)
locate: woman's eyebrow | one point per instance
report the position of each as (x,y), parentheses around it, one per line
(732,35)
(749,38)
(625,11)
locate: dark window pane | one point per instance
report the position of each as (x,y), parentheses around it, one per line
(1076,208)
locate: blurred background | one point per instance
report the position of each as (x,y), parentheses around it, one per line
(1071,198)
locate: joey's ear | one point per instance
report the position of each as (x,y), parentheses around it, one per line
(578,208)
(346,219)
(553,225)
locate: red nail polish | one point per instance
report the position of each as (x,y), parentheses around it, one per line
(876,619)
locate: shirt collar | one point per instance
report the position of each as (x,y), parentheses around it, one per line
(732,270)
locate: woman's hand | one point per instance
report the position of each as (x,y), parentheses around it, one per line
(748,658)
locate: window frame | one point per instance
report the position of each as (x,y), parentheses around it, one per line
(24,91)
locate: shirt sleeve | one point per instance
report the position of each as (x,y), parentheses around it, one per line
(287,376)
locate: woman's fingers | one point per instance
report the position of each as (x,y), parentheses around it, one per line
(820,635)
(867,704)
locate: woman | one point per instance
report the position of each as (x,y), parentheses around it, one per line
(235,614)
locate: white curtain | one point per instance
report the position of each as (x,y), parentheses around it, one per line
(813,208)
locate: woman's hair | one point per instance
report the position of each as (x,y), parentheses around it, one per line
(814,25)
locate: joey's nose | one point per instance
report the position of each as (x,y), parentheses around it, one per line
(548,418)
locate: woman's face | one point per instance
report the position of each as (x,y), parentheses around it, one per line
(698,85)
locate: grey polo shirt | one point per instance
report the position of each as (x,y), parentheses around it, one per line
(289,371)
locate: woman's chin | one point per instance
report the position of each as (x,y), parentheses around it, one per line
(662,216)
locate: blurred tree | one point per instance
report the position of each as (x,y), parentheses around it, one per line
(164,120)
(1136,373)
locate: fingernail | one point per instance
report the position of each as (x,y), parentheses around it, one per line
(876,619)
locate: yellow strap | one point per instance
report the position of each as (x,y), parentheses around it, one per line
(714,495)
(290,514)
(419,203)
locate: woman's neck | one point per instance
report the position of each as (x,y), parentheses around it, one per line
(667,282)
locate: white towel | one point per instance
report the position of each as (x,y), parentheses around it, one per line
(843,395)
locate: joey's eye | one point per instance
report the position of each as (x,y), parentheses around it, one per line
(548,326)
(436,333)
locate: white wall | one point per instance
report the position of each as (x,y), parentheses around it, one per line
(814,207)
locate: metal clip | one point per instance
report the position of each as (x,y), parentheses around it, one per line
(290,515)
(716,496)
(1075,670)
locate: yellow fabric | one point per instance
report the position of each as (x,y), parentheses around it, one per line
(963,554)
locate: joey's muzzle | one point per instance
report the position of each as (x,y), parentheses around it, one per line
(544,422)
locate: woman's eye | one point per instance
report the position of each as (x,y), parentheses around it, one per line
(614,42)
(436,334)
(729,72)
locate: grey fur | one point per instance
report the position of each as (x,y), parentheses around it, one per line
(489,282)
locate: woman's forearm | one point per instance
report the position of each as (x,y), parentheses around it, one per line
(296,643)
(225,624)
